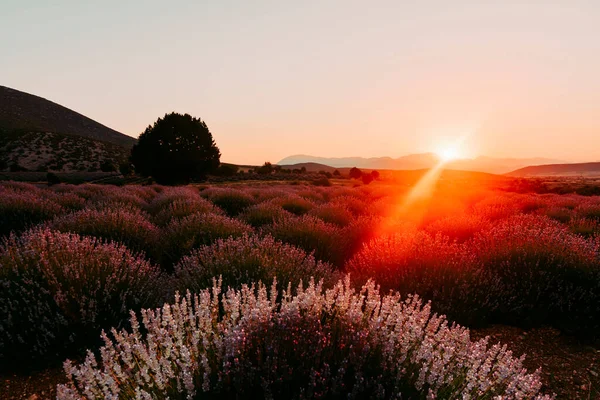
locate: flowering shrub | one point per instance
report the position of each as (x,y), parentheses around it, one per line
(308,233)
(128,226)
(264,214)
(459,227)
(333,213)
(232,201)
(433,267)
(180,208)
(295,204)
(169,196)
(585,227)
(59,290)
(353,204)
(245,260)
(315,344)
(539,272)
(20,210)
(183,235)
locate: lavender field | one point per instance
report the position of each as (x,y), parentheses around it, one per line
(293,291)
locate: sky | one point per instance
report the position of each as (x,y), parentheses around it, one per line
(325,78)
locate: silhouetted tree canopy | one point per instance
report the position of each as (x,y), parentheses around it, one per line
(355,173)
(367,178)
(266,169)
(176,149)
(375,174)
(336,173)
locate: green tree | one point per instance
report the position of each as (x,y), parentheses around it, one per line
(175,150)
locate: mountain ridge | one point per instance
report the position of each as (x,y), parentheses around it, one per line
(422,161)
(27,112)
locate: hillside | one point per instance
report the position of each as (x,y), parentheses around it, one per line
(421,161)
(45,151)
(576,169)
(39,135)
(23,111)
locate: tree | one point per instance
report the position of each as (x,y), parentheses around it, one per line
(355,173)
(266,169)
(336,173)
(375,174)
(176,149)
(367,178)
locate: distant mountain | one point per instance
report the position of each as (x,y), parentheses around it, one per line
(23,111)
(39,135)
(421,161)
(575,169)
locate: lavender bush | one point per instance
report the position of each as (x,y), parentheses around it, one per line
(181,236)
(315,344)
(248,259)
(123,224)
(59,290)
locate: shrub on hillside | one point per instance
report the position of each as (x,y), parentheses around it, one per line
(232,201)
(124,225)
(193,231)
(245,260)
(59,290)
(337,344)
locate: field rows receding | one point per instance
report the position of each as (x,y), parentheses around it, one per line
(76,259)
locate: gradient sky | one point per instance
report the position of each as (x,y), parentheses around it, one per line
(327,78)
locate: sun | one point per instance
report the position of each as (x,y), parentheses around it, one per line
(448,154)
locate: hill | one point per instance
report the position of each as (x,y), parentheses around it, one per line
(575,169)
(46,151)
(39,135)
(26,112)
(421,161)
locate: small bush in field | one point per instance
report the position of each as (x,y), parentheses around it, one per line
(245,260)
(181,208)
(59,290)
(460,227)
(337,344)
(308,233)
(588,209)
(170,195)
(585,227)
(295,204)
(125,225)
(333,213)
(353,204)
(183,235)
(263,214)
(559,214)
(232,201)
(412,261)
(539,272)
(69,201)
(20,210)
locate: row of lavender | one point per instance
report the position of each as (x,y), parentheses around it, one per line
(96,252)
